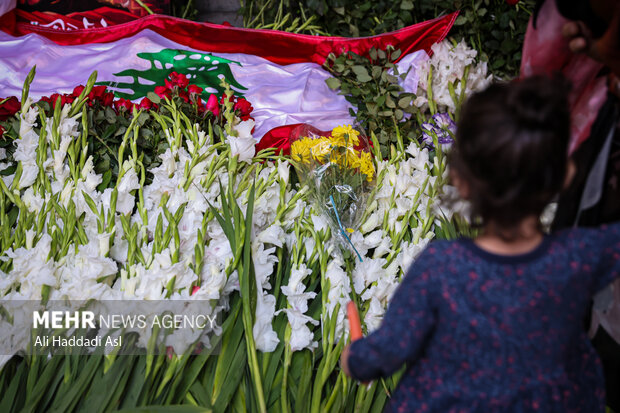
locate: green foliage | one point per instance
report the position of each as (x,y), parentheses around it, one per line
(380,103)
(493,27)
(184,9)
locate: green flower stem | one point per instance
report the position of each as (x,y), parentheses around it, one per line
(285,406)
(78,103)
(26,89)
(429,91)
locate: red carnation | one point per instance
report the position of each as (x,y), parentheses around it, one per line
(244,107)
(9,107)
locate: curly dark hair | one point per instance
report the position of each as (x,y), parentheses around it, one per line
(511,149)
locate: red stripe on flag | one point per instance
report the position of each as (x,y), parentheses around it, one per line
(279,47)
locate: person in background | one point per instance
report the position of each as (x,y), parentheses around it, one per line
(493,324)
(581,38)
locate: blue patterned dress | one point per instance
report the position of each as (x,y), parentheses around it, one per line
(481,332)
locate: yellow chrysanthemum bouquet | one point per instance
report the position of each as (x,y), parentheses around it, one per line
(338,168)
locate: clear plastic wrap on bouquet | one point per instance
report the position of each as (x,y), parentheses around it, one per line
(338,168)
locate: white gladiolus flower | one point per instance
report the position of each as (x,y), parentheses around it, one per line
(374,316)
(266,339)
(244,128)
(274,234)
(371,223)
(264,260)
(310,245)
(129,182)
(242,147)
(283,170)
(319,222)
(340,288)
(301,336)
(367,272)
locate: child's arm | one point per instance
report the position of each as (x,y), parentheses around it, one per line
(408,321)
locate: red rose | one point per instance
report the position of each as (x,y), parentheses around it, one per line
(213,105)
(54,99)
(194,90)
(107,99)
(145,104)
(66,99)
(512,2)
(177,79)
(163,92)
(9,107)
(244,107)
(123,104)
(195,289)
(97,92)
(184,95)
(78,90)
(182,81)
(169,84)
(225,99)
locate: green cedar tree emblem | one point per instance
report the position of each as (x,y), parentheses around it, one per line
(202,69)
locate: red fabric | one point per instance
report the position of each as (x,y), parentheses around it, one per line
(282,136)
(98,18)
(279,138)
(69,6)
(279,47)
(546,51)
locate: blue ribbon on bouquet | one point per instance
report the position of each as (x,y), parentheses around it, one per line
(331,198)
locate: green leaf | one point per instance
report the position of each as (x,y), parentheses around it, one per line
(362,73)
(333,83)
(461,20)
(184,408)
(406,5)
(153,97)
(404,102)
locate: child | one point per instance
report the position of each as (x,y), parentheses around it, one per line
(495,324)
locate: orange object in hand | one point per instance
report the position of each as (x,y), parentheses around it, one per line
(354,321)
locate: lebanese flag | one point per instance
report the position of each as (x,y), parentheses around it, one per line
(279,73)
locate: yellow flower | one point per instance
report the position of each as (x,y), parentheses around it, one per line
(367,167)
(320,149)
(345,135)
(353,161)
(300,150)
